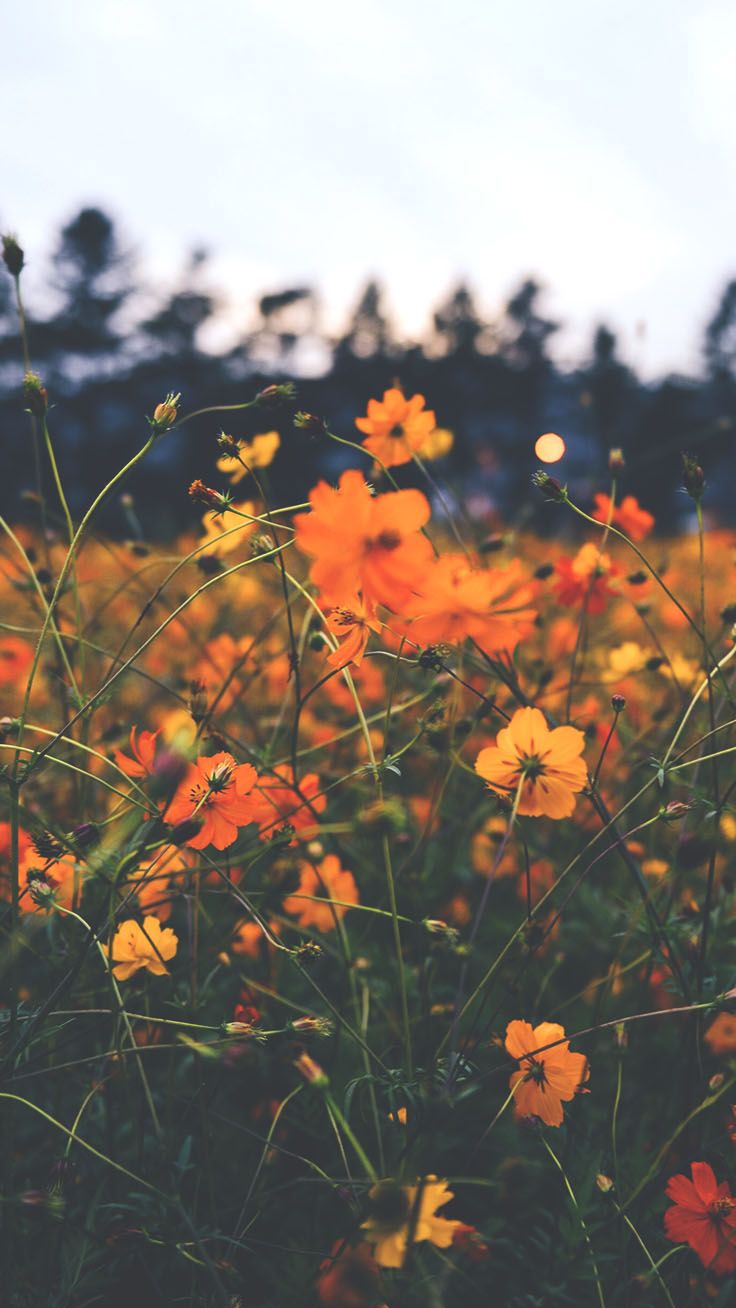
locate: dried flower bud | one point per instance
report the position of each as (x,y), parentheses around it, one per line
(549,486)
(274,395)
(227,444)
(35,395)
(616,460)
(85,836)
(13,256)
(47,845)
(197,703)
(618,703)
(312,1072)
(433,657)
(165,413)
(212,499)
(308,952)
(242,1029)
(693,477)
(319,1026)
(310,422)
(675,810)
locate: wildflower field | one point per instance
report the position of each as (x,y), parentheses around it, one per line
(367,885)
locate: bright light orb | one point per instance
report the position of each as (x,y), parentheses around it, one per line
(550,447)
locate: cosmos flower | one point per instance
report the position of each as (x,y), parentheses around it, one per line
(321,884)
(547,1079)
(134,947)
(703,1215)
(400,1211)
(215,790)
(546,763)
(396,428)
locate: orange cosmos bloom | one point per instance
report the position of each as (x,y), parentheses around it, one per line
(16,657)
(351,625)
(629,516)
(549,1078)
(396,428)
(134,947)
(277,801)
(584,579)
(456,600)
(398,1209)
(546,763)
(363,543)
(704,1216)
(322,884)
(721,1034)
(143,749)
(215,789)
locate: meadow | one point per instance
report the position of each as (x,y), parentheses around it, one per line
(366,886)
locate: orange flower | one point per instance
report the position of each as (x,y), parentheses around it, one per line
(629,516)
(546,763)
(396,428)
(704,1216)
(351,624)
(363,543)
(143,749)
(721,1034)
(215,789)
(16,657)
(277,802)
(134,947)
(399,1210)
(549,1078)
(584,579)
(321,885)
(456,600)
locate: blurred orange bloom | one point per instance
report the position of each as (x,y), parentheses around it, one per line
(134,947)
(546,763)
(549,1078)
(143,749)
(456,600)
(16,657)
(322,884)
(215,789)
(349,1278)
(363,543)
(629,516)
(396,428)
(277,802)
(721,1034)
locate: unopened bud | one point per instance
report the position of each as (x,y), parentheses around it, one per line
(35,395)
(13,256)
(211,499)
(549,486)
(165,413)
(274,395)
(318,1026)
(604,1183)
(310,422)
(618,703)
(185,831)
(675,810)
(312,1072)
(693,477)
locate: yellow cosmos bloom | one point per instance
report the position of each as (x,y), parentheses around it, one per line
(134,947)
(258,453)
(398,1211)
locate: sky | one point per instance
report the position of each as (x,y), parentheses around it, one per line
(589,143)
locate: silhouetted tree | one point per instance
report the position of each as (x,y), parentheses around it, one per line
(457,323)
(92,273)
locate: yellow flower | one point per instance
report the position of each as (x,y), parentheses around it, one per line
(134,947)
(437,444)
(398,1210)
(626,658)
(258,453)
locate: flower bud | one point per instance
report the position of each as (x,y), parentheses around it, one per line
(184,831)
(85,836)
(274,395)
(312,1072)
(308,952)
(211,499)
(618,703)
(13,256)
(310,422)
(319,1026)
(35,395)
(693,477)
(604,1183)
(675,810)
(165,413)
(549,486)
(616,460)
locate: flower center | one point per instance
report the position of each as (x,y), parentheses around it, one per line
(396,431)
(387,540)
(531,767)
(722,1207)
(536,1072)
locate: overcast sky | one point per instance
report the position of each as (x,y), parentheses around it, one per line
(588,142)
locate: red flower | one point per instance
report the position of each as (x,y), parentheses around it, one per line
(703,1216)
(584,579)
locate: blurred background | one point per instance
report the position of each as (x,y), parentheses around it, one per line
(524,212)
